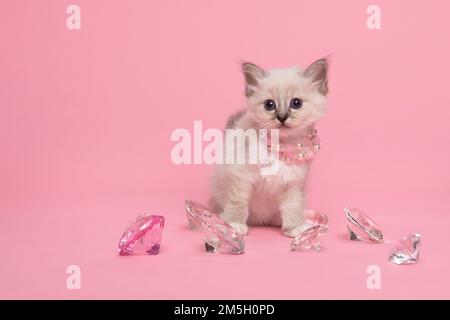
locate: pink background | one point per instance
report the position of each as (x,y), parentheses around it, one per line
(85,125)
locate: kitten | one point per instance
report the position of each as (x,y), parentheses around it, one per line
(291,100)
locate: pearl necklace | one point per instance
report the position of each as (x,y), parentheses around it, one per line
(305,148)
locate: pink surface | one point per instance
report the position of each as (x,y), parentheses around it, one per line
(85,125)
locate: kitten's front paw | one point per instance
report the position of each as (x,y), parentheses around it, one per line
(294,232)
(239,227)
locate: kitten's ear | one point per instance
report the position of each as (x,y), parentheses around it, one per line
(253,75)
(318,73)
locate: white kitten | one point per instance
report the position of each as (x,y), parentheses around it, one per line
(290,100)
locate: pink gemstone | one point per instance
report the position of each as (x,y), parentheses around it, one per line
(309,240)
(219,235)
(143,236)
(361,227)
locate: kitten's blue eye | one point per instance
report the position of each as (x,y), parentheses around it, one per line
(270,105)
(296,103)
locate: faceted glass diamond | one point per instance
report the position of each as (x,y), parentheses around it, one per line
(407,250)
(193,214)
(219,235)
(361,227)
(309,240)
(193,225)
(143,236)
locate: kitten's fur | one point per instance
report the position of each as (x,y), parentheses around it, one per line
(239,192)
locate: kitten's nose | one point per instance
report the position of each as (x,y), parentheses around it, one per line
(282,117)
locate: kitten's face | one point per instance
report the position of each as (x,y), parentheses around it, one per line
(288,99)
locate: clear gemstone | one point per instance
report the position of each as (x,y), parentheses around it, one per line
(192,214)
(407,250)
(309,240)
(220,237)
(361,227)
(143,236)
